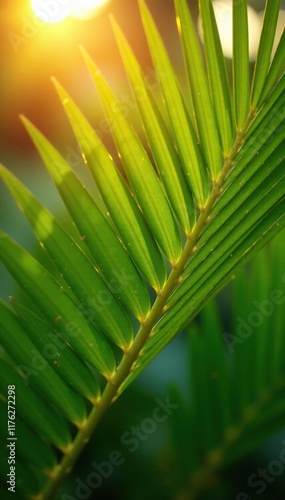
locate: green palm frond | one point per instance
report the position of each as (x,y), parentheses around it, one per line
(237,400)
(174,229)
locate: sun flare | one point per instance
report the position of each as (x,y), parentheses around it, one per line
(54,11)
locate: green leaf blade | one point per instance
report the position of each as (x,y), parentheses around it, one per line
(139,171)
(250,214)
(24,352)
(183,131)
(265,49)
(244,190)
(58,354)
(31,447)
(56,305)
(241,86)
(206,121)
(119,201)
(163,151)
(218,79)
(110,257)
(276,69)
(85,281)
(34,410)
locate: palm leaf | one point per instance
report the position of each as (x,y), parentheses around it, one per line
(240,63)
(140,172)
(217,70)
(186,218)
(203,107)
(118,199)
(265,49)
(182,129)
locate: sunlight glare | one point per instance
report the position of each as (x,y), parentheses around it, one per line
(54,11)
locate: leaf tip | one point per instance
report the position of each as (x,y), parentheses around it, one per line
(23,118)
(85,54)
(53,80)
(29,126)
(60,90)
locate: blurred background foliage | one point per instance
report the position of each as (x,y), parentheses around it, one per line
(27,62)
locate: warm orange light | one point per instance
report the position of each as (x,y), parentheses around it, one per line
(54,11)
